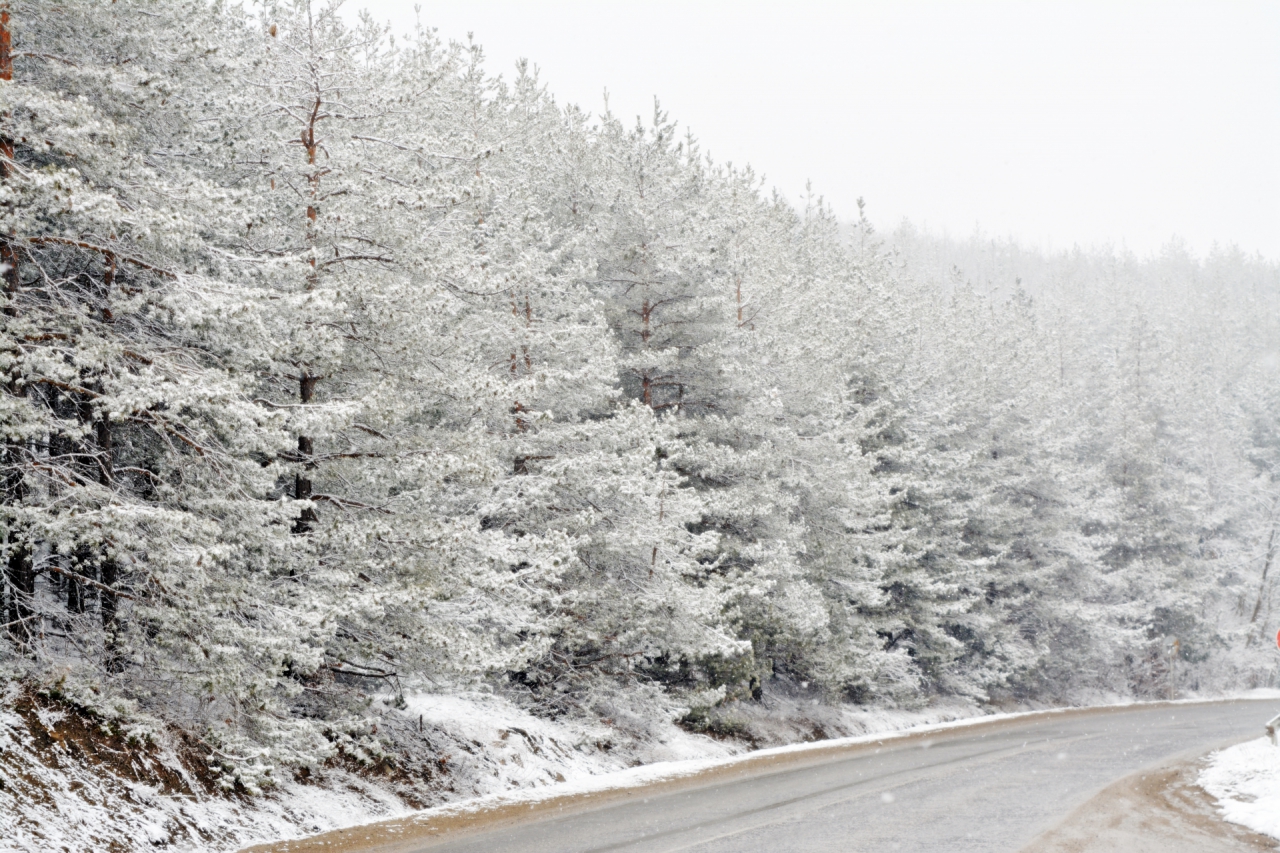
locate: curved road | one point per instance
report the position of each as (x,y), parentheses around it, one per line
(991,787)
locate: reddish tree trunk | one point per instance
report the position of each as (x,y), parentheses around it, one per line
(8,254)
(302,486)
(19,571)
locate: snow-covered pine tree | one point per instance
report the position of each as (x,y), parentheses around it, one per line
(143,505)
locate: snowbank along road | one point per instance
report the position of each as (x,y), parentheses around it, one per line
(990,787)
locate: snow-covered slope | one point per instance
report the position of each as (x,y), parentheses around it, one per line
(67,784)
(72,784)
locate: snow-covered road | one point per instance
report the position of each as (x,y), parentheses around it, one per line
(991,787)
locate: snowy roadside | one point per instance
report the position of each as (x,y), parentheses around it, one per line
(559,759)
(54,796)
(694,754)
(1245,780)
(491,752)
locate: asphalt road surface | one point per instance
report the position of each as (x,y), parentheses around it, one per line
(990,788)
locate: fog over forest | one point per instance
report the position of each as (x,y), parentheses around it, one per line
(340,370)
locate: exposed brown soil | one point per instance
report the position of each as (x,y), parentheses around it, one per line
(81,739)
(1157,811)
(96,761)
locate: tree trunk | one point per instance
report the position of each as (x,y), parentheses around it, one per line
(302,488)
(518,408)
(109,570)
(8,254)
(1266,565)
(646,381)
(103,459)
(20,578)
(75,596)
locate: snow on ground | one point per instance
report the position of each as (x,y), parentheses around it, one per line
(55,798)
(543,751)
(1245,780)
(509,748)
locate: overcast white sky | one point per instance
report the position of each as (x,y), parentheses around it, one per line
(1058,123)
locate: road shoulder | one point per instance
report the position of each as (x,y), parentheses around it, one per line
(1160,810)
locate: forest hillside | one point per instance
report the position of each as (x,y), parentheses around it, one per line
(339,371)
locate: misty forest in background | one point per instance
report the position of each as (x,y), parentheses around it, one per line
(335,366)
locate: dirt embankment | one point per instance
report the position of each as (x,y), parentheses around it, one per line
(1157,811)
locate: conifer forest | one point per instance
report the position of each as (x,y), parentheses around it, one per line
(338,367)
